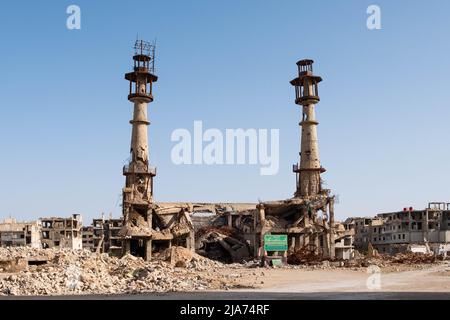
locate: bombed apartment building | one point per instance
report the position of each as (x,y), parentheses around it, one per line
(113,241)
(87,235)
(148,227)
(364,227)
(98,235)
(57,232)
(17,234)
(103,236)
(344,241)
(425,230)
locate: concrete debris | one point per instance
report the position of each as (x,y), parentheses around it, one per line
(371,251)
(307,256)
(413,258)
(184,258)
(304,256)
(13,265)
(223,244)
(86,272)
(417,259)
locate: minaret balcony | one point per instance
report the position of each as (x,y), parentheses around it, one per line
(307,100)
(147,97)
(141,69)
(296,168)
(134,169)
(309,122)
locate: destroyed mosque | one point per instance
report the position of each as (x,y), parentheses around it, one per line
(234,232)
(306,220)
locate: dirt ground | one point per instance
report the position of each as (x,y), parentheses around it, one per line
(431,278)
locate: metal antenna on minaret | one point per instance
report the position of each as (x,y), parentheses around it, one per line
(145,48)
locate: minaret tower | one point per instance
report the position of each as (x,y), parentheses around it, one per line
(307,96)
(138,191)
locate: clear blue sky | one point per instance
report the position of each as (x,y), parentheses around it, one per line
(384,111)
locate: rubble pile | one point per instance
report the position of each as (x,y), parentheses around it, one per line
(304,256)
(409,258)
(413,258)
(222,244)
(10,253)
(274,222)
(85,272)
(308,257)
(185,258)
(223,230)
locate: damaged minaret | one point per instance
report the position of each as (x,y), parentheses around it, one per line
(307,219)
(138,191)
(307,96)
(309,183)
(149,227)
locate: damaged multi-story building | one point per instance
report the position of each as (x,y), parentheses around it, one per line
(57,232)
(98,234)
(113,240)
(364,227)
(425,230)
(148,227)
(44,233)
(103,236)
(87,235)
(17,234)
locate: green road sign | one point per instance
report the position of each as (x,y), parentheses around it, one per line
(277,262)
(275,242)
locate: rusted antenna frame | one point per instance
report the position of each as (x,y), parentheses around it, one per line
(146,48)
